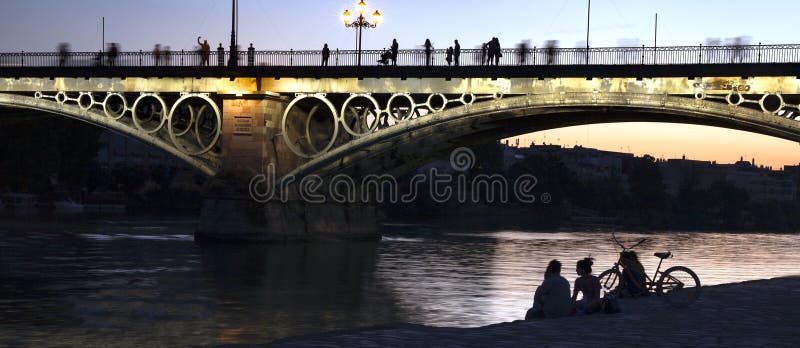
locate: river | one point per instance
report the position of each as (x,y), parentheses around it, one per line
(142,282)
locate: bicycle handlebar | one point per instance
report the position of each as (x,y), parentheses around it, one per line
(614,237)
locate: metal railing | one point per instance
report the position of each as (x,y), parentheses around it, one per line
(758,54)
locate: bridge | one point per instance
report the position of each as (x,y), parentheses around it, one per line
(280,109)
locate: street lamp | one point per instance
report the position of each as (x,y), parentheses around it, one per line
(360,23)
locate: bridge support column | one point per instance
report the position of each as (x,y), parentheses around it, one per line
(250,144)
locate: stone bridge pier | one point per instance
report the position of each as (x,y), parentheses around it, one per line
(253,149)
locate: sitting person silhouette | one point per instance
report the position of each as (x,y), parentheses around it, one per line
(589,286)
(634,281)
(551,299)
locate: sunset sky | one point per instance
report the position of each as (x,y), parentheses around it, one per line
(306,24)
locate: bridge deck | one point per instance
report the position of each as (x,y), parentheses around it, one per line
(522,71)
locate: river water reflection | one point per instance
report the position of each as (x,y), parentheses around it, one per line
(123,283)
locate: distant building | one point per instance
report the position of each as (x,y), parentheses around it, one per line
(761,184)
(584,162)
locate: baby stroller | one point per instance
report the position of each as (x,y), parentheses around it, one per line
(385,56)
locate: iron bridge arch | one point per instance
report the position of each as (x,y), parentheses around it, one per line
(397,148)
(161,132)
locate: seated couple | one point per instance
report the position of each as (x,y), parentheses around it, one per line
(552,298)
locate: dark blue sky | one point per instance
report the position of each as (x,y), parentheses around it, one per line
(306,24)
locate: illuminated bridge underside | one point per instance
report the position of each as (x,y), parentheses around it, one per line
(526,104)
(206,163)
(406,145)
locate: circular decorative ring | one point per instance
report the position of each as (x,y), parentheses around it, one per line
(429,103)
(401,117)
(107,109)
(465,96)
(171,131)
(83,96)
(763,98)
(308,128)
(345,108)
(37,95)
(191,120)
(737,94)
(285,134)
(163,112)
(700,95)
(197,129)
(61,97)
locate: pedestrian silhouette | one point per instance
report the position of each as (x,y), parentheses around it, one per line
(204,51)
(167,55)
(456,53)
(63,54)
(498,52)
(490,52)
(157,54)
(428,50)
(551,45)
(394,49)
(523,52)
(326,53)
(113,52)
(449,55)
(98,59)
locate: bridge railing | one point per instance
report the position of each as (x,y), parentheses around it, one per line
(754,54)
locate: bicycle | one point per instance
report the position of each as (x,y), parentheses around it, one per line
(679,285)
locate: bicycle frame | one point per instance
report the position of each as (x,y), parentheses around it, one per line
(651,282)
(679,283)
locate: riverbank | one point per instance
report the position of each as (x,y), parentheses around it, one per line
(749,314)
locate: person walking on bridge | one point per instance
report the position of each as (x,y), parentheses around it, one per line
(63,53)
(326,53)
(167,55)
(157,54)
(394,49)
(205,51)
(490,51)
(449,55)
(113,52)
(498,51)
(428,50)
(456,53)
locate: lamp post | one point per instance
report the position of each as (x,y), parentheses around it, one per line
(233,60)
(360,22)
(588,22)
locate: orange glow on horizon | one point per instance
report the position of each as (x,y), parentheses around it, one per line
(668,140)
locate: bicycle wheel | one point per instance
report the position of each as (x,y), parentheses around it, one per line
(679,285)
(609,279)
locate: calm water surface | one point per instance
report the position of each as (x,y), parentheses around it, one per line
(123,283)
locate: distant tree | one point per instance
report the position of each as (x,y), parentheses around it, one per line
(648,198)
(728,205)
